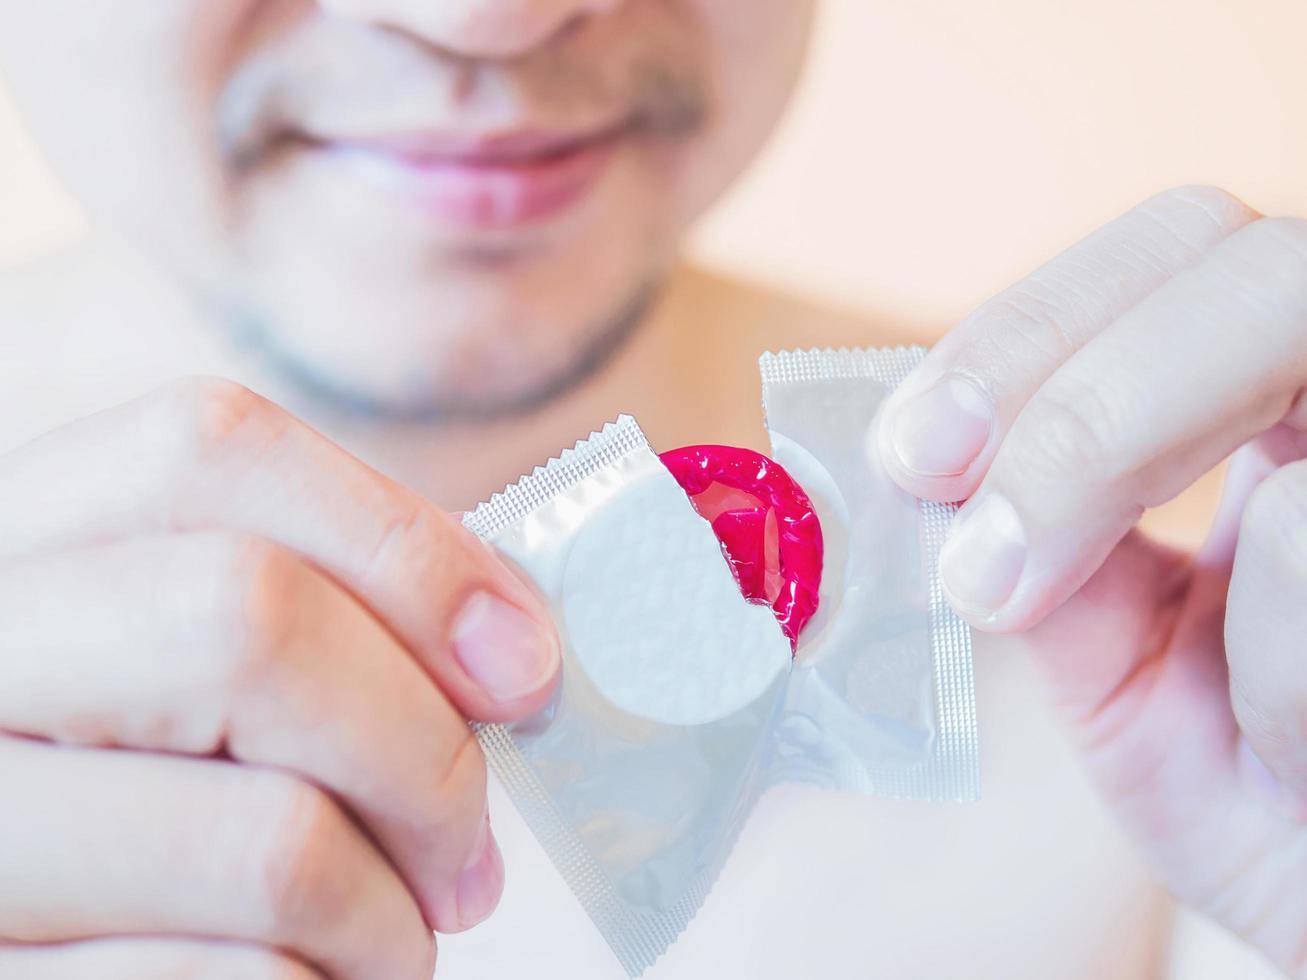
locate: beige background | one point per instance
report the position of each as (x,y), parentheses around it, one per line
(939,148)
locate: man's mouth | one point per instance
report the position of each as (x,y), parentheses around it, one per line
(494,180)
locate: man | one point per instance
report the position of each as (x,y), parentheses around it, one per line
(237,660)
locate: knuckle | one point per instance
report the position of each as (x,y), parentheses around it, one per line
(268,965)
(260,598)
(411,540)
(275,591)
(1025,323)
(1288,255)
(203,417)
(290,970)
(296,883)
(258,965)
(1269,269)
(1291,233)
(281,968)
(1211,208)
(462,779)
(1069,433)
(206,961)
(238,616)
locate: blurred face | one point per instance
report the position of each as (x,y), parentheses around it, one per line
(427,206)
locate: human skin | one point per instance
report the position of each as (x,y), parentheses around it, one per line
(388,203)
(126,109)
(297,166)
(1106,383)
(323,615)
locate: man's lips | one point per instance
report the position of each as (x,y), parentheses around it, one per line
(496,180)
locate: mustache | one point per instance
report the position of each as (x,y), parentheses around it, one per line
(332,80)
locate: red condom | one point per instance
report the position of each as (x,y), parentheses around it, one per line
(767,527)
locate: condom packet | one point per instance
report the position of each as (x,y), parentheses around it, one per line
(680,702)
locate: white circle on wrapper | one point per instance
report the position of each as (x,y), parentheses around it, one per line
(656,619)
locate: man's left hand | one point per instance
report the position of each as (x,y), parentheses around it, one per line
(1103,384)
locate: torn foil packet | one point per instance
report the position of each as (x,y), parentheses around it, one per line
(681,702)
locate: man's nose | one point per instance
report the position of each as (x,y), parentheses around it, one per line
(499,29)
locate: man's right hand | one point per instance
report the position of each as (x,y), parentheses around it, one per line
(235,671)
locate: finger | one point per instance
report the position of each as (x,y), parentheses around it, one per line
(96,844)
(151,959)
(1208,361)
(209,454)
(1139,656)
(1266,627)
(207,644)
(943,426)
(1105,670)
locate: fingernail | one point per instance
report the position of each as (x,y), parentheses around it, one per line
(502,648)
(984,555)
(481,881)
(941,431)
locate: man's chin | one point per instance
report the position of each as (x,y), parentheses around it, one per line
(425,393)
